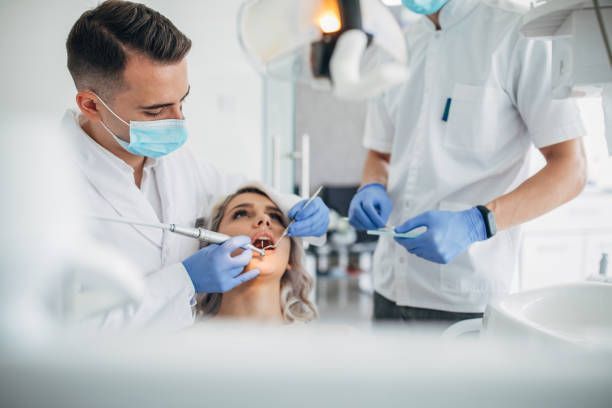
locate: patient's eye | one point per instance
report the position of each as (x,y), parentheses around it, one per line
(278,217)
(239,214)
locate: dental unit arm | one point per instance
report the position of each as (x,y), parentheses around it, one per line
(354,49)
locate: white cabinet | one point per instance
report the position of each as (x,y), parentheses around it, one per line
(566,245)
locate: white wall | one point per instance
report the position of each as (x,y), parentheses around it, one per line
(224,108)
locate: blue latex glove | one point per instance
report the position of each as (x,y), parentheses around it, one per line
(213,269)
(311,221)
(370,208)
(448,234)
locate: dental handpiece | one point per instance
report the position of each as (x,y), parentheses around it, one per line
(201,234)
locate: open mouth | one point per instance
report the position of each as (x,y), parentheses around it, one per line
(263,241)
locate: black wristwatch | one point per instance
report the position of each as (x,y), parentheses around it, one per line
(489,220)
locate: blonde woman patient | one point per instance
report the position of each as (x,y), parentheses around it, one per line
(280,293)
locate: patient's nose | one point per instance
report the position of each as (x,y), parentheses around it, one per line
(264,220)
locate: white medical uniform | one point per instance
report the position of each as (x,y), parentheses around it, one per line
(499,85)
(176,188)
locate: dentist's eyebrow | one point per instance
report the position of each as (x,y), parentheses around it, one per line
(164,105)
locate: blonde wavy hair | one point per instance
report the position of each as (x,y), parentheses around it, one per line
(296,282)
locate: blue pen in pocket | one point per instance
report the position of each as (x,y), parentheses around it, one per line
(447,110)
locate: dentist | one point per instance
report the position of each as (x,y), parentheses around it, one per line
(129,66)
(449,151)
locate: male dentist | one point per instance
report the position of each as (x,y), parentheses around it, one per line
(449,151)
(130,69)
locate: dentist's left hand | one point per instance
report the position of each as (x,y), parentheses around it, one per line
(448,234)
(311,221)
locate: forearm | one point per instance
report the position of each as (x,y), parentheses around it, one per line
(376,168)
(561,180)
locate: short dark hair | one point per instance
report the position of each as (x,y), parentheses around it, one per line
(100,40)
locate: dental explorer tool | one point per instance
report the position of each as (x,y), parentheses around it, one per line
(390,231)
(286,231)
(201,234)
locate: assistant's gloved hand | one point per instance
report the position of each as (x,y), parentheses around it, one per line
(311,221)
(448,234)
(213,269)
(370,208)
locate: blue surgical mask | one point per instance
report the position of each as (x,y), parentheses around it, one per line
(154,138)
(424,6)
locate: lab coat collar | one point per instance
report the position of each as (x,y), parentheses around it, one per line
(453,12)
(112,178)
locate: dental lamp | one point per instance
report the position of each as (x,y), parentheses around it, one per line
(353,48)
(581,34)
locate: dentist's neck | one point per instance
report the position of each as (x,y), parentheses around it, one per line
(435,18)
(258,299)
(102,138)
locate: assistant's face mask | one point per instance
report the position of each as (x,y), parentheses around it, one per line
(425,7)
(154,138)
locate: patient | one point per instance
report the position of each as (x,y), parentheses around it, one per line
(280,292)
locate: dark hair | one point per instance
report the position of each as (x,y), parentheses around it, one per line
(100,40)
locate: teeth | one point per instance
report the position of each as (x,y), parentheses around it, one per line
(262,242)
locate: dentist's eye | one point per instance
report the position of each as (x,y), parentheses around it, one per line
(152,114)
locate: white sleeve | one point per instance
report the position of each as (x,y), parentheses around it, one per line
(379,129)
(549,121)
(166,305)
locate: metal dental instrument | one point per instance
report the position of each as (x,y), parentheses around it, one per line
(286,231)
(201,234)
(390,231)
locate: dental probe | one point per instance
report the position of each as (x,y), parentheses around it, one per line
(201,234)
(286,231)
(390,231)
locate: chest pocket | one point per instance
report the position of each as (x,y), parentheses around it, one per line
(480,119)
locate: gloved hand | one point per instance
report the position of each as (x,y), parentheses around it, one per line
(370,208)
(448,234)
(213,269)
(311,221)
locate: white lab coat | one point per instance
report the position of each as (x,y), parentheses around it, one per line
(187,190)
(501,106)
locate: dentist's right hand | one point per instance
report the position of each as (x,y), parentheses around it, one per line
(213,269)
(370,208)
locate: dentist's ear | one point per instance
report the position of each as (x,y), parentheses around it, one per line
(89,105)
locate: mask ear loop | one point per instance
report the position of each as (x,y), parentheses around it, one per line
(110,110)
(117,138)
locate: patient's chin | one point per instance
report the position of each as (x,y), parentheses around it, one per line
(268,268)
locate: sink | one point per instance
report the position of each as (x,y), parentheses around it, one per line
(577,313)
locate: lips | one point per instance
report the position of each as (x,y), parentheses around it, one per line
(262,240)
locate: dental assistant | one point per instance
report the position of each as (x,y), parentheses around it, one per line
(449,150)
(130,69)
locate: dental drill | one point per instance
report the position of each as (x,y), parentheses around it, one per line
(201,234)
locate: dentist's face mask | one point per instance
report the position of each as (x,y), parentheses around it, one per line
(425,7)
(155,138)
